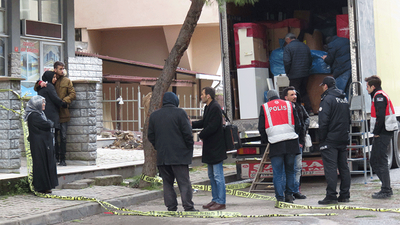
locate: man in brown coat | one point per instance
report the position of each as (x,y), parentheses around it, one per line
(65,92)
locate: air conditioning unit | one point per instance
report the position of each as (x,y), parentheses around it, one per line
(31,28)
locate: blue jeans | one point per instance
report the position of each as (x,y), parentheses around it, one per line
(341,81)
(298,166)
(217,180)
(283,168)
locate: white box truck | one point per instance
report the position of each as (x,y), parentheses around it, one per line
(373,30)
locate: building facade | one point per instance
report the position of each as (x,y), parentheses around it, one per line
(33,35)
(146,31)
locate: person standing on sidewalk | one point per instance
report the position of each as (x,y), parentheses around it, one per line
(41,144)
(383,123)
(214,150)
(334,125)
(65,92)
(290,94)
(279,125)
(171,135)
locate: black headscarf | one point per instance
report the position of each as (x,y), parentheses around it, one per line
(48,76)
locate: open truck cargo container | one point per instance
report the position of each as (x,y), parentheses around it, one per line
(371,26)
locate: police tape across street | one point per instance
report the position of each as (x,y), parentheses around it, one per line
(123,211)
(230,189)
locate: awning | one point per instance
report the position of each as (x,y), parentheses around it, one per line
(150,81)
(146,65)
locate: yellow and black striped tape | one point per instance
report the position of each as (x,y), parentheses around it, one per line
(231,190)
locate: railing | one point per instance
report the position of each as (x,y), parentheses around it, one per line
(123,109)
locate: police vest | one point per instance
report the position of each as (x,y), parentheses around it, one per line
(390,115)
(279,121)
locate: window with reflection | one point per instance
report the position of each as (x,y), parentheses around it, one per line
(41,10)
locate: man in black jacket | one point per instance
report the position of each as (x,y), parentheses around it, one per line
(334,125)
(290,94)
(383,123)
(171,135)
(297,61)
(214,150)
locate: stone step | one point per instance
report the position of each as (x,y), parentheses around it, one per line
(108,180)
(99,181)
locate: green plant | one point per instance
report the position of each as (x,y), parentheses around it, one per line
(15,187)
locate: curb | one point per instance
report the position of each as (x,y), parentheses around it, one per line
(91,208)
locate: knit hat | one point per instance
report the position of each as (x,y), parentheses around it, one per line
(272,93)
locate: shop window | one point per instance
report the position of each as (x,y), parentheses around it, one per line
(2,56)
(37,57)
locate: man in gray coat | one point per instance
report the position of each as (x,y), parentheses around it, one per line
(170,133)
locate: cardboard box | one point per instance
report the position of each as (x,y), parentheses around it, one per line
(278,33)
(314,41)
(314,90)
(250,45)
(303,15)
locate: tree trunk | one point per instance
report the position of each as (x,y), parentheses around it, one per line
(165,80)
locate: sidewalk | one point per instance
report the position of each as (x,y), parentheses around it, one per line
(30,209)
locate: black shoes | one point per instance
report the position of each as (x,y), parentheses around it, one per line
(62,163)
(343,199)
(192,210)
(289,198)
(326,201)
(382,194)
(299,195)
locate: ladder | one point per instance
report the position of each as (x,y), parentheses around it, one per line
(358,130)
(257,179)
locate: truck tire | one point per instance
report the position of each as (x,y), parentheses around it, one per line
(391,157)
(396,148)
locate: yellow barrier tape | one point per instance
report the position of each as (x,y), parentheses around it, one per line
(285,205)
(113,209)
(230,189)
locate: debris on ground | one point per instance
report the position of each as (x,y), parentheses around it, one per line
(124,139)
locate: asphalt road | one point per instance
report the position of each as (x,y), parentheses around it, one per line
(313,187)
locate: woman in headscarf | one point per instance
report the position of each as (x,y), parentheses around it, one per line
(53,102)
(41,143)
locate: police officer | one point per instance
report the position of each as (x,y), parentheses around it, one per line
(334,125)
(279,124)
(383,123)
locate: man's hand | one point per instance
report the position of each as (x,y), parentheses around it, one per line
(376,136)
(301,146)
(43,84)
(323,57)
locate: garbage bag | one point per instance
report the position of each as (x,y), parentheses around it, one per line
(276,62)
(318,64)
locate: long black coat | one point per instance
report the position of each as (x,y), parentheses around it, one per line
(170,133)
(333,119)
(214,150)
(53,104)
(41,143)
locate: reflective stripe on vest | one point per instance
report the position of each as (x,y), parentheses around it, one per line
(279,121)
(390,115)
